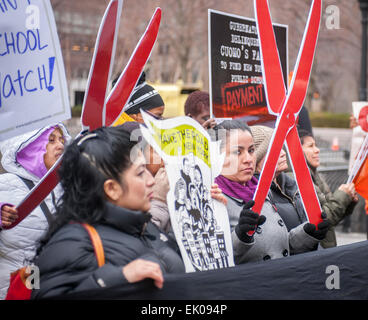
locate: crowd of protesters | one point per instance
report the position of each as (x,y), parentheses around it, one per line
(124,199)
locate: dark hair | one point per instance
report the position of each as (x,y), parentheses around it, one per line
(222,130)
(304,133)
(180,184)
(196,167)
(87,163)
(197,101)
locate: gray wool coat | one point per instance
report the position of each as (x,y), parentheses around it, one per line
(271,240)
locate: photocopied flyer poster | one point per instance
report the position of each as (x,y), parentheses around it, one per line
(192,161)
(33,88)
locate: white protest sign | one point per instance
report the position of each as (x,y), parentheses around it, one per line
(192,161)
(33,89)
(360,112)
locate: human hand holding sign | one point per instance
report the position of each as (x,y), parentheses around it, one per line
(216,193)
(320,232)
(248,222)
(9,214)
(349,189)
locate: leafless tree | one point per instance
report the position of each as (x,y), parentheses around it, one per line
(181,51)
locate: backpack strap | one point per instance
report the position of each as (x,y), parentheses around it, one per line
(45,209)
(97,244)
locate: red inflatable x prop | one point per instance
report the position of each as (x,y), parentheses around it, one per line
(287,106)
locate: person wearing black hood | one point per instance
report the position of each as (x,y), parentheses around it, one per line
(143,97)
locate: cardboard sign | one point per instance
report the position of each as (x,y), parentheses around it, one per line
(33,89)
(192,161)
(360,112)
(236,83)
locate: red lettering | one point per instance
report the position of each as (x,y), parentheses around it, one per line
(244,97)
(228,100)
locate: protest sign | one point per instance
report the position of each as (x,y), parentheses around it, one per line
(33,89)
(360,113)
(361,180)
(359,170)
(192,161)
(236,84)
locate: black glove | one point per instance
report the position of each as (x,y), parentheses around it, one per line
(319,233)
(248,221)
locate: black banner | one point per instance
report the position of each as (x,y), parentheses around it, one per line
(236,83)
(335,273)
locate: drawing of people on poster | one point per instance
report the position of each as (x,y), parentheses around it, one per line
(200,224)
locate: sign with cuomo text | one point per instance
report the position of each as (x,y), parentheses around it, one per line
(236,85)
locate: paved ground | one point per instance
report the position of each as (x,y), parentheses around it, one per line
(348,238)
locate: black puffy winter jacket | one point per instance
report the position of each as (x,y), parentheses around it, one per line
(286,199)
(67,263)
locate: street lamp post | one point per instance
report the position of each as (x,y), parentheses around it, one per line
(363,75)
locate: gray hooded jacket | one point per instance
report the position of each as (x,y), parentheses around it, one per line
(18,245)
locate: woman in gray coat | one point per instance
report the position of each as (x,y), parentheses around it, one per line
(271,238)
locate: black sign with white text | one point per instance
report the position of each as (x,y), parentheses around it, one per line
(235,67)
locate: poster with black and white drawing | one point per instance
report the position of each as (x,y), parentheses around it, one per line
(192,161)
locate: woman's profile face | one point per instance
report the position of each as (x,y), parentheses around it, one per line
(240,156)
(311,151)
(281,165)
(54,148)
(156,112)
(137,186)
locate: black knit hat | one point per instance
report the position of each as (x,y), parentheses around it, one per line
(144,97)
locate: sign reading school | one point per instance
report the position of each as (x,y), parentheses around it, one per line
(33,89)
(236,84)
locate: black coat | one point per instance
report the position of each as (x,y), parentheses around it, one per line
(67,263)
(286,199)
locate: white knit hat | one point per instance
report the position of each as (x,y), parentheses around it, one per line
(262,137)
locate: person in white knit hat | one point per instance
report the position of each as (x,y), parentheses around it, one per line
(284,193)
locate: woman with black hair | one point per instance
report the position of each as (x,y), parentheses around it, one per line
(338,204)
(108,186)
